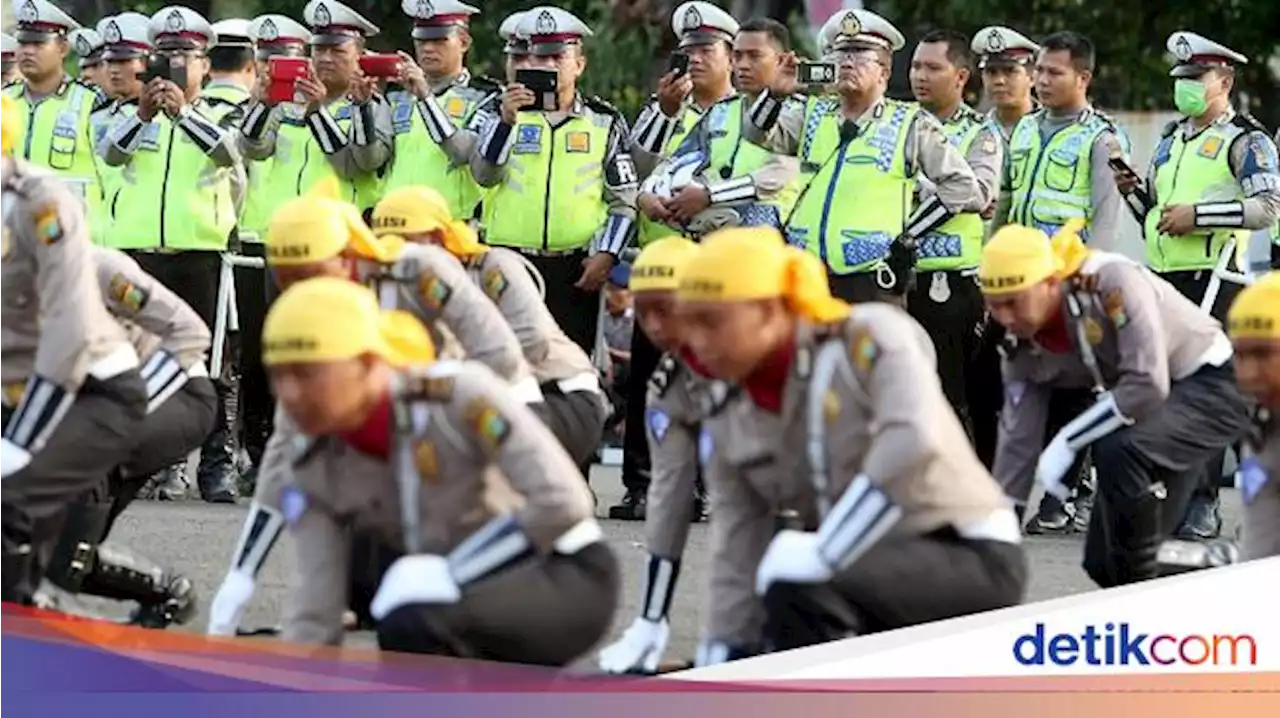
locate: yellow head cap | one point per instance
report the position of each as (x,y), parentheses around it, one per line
(1019,257)
(10,124)
(1255,314)
(311,229)
(660,264)
(416,209)
(747,263)
(327,319)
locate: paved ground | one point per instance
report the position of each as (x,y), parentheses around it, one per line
(198,538)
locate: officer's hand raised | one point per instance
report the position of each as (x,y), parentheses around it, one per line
(412,77)
(514,98)
(362,89)
(170,97)
(312,90)
(148,105)
(672,89)
(787,81)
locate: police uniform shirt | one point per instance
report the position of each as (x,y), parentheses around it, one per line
(1144,335)
(1259,484)
(985,156)
(505,277)
(442,118)
(887,419)
(477,453)
(56,329)
(155,317)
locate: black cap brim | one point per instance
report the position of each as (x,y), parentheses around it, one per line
(29,35)
(1192,70)
(288,50)
(549,48)
(123,52)
(333,38)
(703,37)
(434,32)
(178,44)
(1003,61)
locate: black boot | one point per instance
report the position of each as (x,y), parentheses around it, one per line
(1054,517)
(163,598)
(632,506)
(699,502)
(1203,520)
(217,474)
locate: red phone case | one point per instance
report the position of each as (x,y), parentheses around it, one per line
(284,72)
(380,65)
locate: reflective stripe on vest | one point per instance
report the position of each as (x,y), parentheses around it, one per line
(650,230)
(852,236)
(1191,172)
(420,161)
(1051,178)
(958,243)
(170,195)
(552,195)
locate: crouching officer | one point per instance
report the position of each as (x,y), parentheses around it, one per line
(842,433)
(563,181)
(507,569)
(181,408)
(679,396)
(72,394)
(573,403)
(1161,370)
(1254,326)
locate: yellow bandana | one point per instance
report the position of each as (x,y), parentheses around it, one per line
(1255,314)
(660,264)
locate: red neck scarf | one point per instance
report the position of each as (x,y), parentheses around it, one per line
(692,362)
(1053,335)
(767,382)
(374,438)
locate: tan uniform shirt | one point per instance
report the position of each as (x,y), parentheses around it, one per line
(505,277)
(1262,512)
(886,417)
(467,434)
(54,322)
(1142,331)
(678,399)
(154,317)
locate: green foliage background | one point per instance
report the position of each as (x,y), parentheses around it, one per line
(633,36)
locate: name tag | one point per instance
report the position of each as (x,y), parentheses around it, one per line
(528,140)
(402,117)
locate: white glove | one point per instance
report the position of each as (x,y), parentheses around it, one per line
(228,604)
(639,649)
(792,557)
(1054,461)
(12,458)
(421,578)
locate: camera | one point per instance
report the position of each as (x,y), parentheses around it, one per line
(816,73)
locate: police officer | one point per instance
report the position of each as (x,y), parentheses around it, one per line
(523,576)
(679,396)
(54,106)
(232,67)
(8,58)
(1165,401)
(1214,178)
(842,434)
(1005,57)
(88,45)
(1254,326)
(563,181)
(869,245)
(1059,157)
(174,151)
(714,178)
(573,403)
(946,300)
(515,49)
(181,407)
(440,96)
(72,394)
(706,35)
(340,116)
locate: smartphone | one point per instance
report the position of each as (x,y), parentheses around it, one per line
(283,74)
(543,84)
(381,66)
(816,73)
(678,62)
(1118,165)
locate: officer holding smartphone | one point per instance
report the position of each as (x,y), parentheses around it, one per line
(563,183)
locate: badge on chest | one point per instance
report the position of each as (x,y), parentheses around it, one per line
(427,461)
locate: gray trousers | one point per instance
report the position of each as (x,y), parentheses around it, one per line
(1148,471)
(94,437)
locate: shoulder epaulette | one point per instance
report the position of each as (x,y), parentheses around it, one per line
(425,387)
(1170,128)
(663,374)
(1248,123)
(601,105)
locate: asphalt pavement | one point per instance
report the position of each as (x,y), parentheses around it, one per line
(197,539)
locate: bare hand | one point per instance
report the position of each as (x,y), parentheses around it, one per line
(653,207)
(362,89)
(148,106)
(515,97)
(313,92)
(169,97)
(787,81)
(1126,181)
(412,78)
(672,89)
(1177,220)
(989,212)
(595,269)
(688,202)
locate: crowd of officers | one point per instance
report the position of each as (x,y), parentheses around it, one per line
(868,326)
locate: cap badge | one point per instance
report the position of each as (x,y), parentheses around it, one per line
(175,22)
(850,25)
(995,41)
(692,19)
(82,46)
(268,31)
(1182,48)
(425,9)
(29,13)
(323,18)
(111,33)
(546,24)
